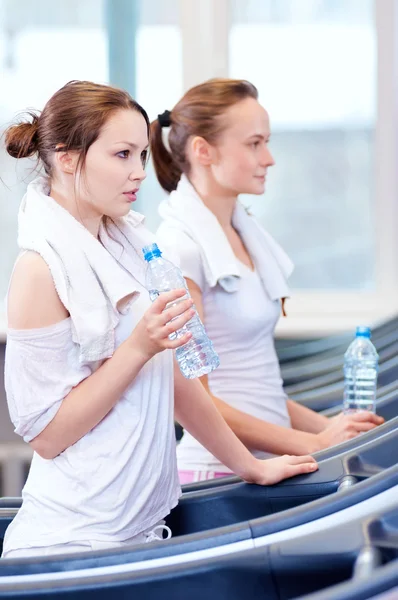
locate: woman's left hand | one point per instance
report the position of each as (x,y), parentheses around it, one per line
(273,470)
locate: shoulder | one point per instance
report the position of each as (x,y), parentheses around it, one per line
(33,301)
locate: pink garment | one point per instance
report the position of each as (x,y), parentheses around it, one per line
(193,476)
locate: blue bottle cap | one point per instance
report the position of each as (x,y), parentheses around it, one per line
(151,251)
(363,331)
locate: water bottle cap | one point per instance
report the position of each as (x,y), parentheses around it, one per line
(151,251)
(363,331)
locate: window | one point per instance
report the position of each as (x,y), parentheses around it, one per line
(42,46)
(159,83)
(331,198)
(45,44)
(314,63)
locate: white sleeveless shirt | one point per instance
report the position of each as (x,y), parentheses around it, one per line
(241,326)
(121,477)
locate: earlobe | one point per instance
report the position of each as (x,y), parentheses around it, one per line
(70,167)
(66,161)
(202,151)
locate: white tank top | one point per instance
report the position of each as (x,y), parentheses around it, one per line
(241,326)
(121,477)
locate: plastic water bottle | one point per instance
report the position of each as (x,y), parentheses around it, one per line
(360,373)
(197,357)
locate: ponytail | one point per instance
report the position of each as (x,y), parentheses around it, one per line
(72,119)
(200,113)
(21,139)
(167,170)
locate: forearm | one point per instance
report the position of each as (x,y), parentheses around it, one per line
(89,402)
(305,419)
(257,434)
(196,412)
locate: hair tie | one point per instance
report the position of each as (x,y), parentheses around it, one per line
(165,119)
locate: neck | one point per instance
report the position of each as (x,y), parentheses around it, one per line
(84,214)
(218,201)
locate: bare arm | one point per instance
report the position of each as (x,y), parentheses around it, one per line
(257,434)
(305,419)
(192,406)
(87,404)
(310,431)
(198,414)
(34,303)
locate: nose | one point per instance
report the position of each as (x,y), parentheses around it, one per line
(138,173)
(267,160)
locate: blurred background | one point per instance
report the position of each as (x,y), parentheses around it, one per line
(326,71)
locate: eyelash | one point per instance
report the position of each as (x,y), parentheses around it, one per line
(126,153)
(144,157)
(257,143)
(123,152)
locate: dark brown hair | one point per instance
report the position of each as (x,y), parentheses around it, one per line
(198,113)
(71,120)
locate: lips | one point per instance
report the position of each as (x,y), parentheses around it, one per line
(131,195)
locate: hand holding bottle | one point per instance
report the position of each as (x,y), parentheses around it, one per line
(151,335)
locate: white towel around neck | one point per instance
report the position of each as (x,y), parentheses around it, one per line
(91,277)
(185,210)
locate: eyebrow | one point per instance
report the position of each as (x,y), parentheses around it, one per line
(131,145)
(260,135)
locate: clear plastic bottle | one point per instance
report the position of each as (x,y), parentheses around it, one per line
(360,373)
(197,357)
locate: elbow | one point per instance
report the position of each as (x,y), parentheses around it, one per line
(44,448)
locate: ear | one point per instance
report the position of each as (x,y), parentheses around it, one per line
(66,160)
(204,152)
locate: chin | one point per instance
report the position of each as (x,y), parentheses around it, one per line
(253,187)
(117,214)
(126,211)
(255,190)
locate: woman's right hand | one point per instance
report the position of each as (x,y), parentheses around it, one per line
(151,334)
(344,427)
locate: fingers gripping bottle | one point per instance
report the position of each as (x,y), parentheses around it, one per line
(197,357)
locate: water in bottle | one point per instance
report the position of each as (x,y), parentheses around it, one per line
(360,373)
(197,357)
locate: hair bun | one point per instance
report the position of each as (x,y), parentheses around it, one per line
(22,139)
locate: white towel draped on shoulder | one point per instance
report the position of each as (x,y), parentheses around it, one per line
(95,280)
(184,210)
